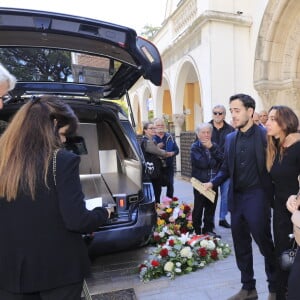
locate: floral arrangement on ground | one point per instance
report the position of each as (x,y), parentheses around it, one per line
(177,249)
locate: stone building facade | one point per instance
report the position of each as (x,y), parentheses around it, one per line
(212,49)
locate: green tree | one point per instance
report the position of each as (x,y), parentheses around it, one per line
(149,31)
(40,64)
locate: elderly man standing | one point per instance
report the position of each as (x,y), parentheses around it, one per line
(166,142)
(206,157)
(263,117)
(220,130)
(7,83)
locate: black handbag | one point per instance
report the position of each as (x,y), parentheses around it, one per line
(287,257)
(153,164)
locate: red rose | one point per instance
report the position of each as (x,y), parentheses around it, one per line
(164,252)
(164,216)
(171,243)
(175,199)
(141,267)
(183,230)
(214,254)
(156,238)
(202,252)
(186,209)
(155,263)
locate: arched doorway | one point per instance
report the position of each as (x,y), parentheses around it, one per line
(277,61)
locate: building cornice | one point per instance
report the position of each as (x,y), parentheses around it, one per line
(182,39)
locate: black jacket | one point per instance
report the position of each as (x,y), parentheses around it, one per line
(227,168)
(205,165)
(41,242)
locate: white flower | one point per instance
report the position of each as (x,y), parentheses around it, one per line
(162,234)
(175,212)
(184,238)
(186,252)
(211,245)
(178,264)
(219,251)
(178,270)
(165,229)
(169,266)
(204,243)
(171,219)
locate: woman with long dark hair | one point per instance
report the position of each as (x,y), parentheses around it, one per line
(283,163)
(42,208)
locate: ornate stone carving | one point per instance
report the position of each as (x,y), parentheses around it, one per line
(178,120)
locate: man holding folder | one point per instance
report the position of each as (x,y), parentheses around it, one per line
(206,156)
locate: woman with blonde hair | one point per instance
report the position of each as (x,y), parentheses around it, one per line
(283,163)
(42,208)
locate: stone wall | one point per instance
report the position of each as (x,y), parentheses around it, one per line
(186,140)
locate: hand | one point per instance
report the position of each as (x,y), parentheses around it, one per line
(110,210)
(169,154)
(208,185)
(161,145)
(207,144)
(292,203)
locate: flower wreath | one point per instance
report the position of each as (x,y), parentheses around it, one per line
(178,250)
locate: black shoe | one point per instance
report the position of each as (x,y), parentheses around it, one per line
(224,224)
(213,234)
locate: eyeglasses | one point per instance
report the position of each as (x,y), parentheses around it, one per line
(151,128)
(4,97)
(218,113)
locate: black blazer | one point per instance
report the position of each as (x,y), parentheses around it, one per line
(227,168)
(41,244)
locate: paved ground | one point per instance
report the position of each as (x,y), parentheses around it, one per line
(216,281)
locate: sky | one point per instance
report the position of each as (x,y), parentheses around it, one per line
(131,13)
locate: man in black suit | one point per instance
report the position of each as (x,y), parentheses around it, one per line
(250,193)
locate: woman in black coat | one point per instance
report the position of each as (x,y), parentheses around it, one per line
(42,214)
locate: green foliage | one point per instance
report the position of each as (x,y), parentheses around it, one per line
(149,31)
(29,64)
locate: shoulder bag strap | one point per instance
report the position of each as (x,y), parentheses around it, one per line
(54,164)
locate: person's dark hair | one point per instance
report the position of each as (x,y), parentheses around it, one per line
(28,144)
(146,125)
(288,121)
(247,100)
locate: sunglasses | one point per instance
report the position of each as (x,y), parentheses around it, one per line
(217,113)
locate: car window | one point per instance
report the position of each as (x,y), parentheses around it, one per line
(56,65)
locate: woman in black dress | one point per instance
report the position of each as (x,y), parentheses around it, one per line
(283,163)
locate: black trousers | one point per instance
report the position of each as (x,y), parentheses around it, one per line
(67,292)
(170,187)
(203,212)
(251,217)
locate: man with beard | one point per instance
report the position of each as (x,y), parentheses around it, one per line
(250,193)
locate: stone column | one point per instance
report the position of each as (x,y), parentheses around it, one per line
(178,120)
